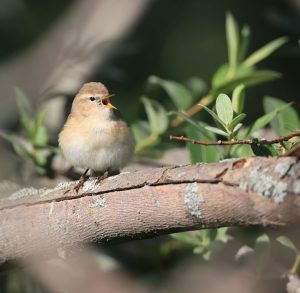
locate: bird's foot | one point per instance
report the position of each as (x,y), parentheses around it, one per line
(84,177)
(102,177)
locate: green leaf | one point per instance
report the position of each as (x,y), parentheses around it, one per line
(19,148)
(199,153)
(264,150)
(40,119)
(236,121)
(40,159)
(180,96)
(286,121)
(264,120)
(186,237)
(224,108)
(156,114)
(140,130)
(216,130)
(236,128)
(196,86)
(41,137)
(221,232)
(232,36)
(285,241)
(262,251)
(264,51)
(213,115)
(248,78)
(26,113)
(219,76)
(245,38)
(238,99)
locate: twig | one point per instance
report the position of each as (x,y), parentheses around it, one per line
(275,140)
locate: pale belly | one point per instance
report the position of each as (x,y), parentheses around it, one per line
(98,150)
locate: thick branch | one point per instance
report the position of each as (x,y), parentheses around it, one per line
(255,191)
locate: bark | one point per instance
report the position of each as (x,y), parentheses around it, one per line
(253,191)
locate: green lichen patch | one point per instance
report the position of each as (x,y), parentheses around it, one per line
(193,200)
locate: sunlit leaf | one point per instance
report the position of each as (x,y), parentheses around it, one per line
(232,36)
(180,96)
(245,38)
(236,121)
(224,108)
(264,51)
(216,130)
(238,99)
(213,115)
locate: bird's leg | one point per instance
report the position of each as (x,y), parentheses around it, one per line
(102,176)
(82,179)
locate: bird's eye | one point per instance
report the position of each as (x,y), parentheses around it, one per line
(92,98)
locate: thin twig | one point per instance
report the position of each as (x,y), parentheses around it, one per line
(275,140)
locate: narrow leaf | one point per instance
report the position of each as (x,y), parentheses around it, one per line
(216,130)
(285,241)
(264,120)
(19,148)
(232,36)
(26,113)
(213,115)
(286,121)
(224,108)
(238,99)
(245,38)
(250,78)
(237,120)
(265,51)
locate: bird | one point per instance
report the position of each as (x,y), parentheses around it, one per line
(94,136)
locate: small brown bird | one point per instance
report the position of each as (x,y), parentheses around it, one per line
(94,136)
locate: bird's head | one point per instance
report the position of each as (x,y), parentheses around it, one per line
(92,99)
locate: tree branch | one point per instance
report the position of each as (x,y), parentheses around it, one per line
(253,191)
(279,139)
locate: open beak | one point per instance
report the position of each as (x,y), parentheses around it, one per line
(110,106)
(106,103)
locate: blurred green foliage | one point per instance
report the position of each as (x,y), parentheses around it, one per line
(34,145)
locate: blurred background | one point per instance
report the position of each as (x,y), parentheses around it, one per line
(50,48)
